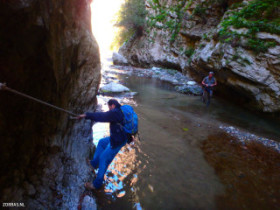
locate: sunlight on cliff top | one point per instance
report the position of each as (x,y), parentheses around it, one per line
(103,13)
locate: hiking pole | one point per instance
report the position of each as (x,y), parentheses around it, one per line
(4,87)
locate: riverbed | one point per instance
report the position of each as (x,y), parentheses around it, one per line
(169,166)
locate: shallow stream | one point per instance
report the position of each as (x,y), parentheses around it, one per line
(166,168)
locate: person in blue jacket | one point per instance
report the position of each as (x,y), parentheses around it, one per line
(107,147)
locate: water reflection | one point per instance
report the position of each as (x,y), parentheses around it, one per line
(167,169)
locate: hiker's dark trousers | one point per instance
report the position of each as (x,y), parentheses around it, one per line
(103,156)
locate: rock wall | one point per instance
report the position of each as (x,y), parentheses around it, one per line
(47,51)
(185,35)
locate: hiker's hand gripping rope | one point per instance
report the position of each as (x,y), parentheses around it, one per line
(81,116)
(78,117)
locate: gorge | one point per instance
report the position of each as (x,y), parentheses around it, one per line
(238,40)
(47,50)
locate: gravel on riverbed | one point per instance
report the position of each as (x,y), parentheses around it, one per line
(245,137)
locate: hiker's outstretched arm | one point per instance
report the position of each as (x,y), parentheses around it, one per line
(203,82)
(102,116)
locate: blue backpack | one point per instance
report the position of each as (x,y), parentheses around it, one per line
(130,120)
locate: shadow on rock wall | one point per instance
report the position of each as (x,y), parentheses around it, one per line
(47,51)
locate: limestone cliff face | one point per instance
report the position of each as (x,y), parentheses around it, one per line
(47,51)
(186,35)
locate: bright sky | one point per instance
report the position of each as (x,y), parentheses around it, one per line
(102,15)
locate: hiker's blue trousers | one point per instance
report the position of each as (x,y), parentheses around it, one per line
(103,156)
(209,90)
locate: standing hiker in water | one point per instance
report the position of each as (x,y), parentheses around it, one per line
(107,147)
(208,83)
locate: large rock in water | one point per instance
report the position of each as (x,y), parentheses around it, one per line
(196,49)
(118,59)
(47,51)
(114,88)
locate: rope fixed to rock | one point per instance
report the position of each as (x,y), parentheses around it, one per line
(4,87)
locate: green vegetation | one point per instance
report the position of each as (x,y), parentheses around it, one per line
(168,18)
(131,20)
(199,10)
(201,46)
(189,52)
(256,16)
(205,37)
(252,17)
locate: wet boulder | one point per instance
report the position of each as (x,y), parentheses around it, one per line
(114,88)
(119,59)
(190,89)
